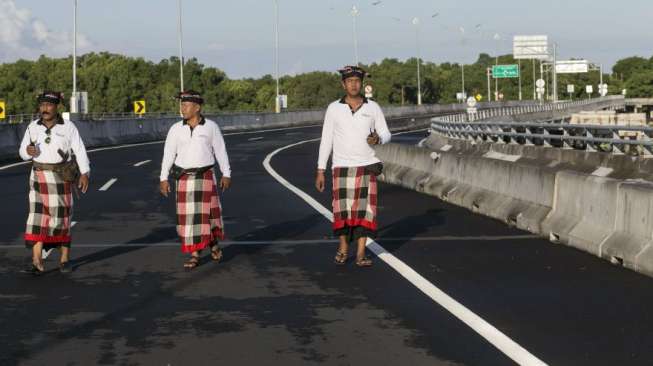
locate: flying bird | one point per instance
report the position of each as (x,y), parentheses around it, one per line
(376,3)
(435,15)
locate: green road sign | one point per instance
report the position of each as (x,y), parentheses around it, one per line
(505,71)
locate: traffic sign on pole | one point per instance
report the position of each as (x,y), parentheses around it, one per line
(505,71)
(2,109)
(139,107)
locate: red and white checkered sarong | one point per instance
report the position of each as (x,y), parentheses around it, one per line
(354,198)
(199,213)
(50,209)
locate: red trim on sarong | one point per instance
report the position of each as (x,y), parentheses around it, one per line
(47,239)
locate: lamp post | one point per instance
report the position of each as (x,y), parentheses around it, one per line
(277,103)
(419,81)
(181,46)
(354,15)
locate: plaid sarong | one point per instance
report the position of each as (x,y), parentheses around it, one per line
(199,214)
(354,198)
(50,209)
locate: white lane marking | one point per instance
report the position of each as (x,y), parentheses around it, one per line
(108,184)
(506,345)
(140,163)
(255,138)
(14,164)
(45,253)
(310,200)
(270,130)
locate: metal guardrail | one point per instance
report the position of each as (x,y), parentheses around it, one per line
(607,138)
(537,108)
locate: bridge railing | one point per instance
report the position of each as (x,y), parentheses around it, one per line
(617,139)
(607,138)
(611,101)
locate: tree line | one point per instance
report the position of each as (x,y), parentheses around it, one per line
(114,82)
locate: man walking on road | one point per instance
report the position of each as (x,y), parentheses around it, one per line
(59,162)
(191,149)
(352,125)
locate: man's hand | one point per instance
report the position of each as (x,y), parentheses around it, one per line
(320,181)
(83,183)
(373,139)
(225,183)
(164,188)
(31,151)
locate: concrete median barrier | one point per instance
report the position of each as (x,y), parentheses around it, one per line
(630,241)
(608,217)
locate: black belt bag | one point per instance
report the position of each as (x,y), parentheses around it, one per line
(374,169)
(176,172)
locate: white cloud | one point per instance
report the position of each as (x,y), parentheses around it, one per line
(25,36)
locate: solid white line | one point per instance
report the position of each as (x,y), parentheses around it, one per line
(270,130)
(142,162)
(506,345)
(14,164)
(108,184)
(255,139)
(73,223)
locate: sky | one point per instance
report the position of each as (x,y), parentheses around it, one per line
(237,36)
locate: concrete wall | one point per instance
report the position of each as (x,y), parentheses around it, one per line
(597,211)
(122,131)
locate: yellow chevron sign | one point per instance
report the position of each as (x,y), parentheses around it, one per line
(139,107)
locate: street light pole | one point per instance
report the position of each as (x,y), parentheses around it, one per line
(354,14)
(419,61)
(496,63)
(277,103)
(489,96)
(534,81)
(519,66)
(75,52)
(555,74)
(462,67)
(181,47)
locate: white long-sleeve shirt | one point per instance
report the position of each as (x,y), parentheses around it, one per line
(195,148)
(345,133)
(63,135)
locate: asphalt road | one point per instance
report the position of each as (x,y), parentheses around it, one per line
(277,298)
